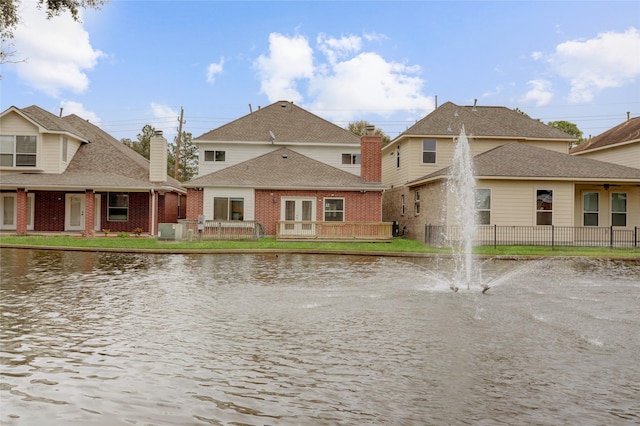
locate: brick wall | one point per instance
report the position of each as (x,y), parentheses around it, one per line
(371,158)
(49,211)
(21,211)
(195,203)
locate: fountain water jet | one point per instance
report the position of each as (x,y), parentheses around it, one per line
(462,186)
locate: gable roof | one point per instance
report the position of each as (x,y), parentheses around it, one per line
(287,122)
(284,168)
(103,163)
(47,121)
(524,161)
(483,121)
(627,132)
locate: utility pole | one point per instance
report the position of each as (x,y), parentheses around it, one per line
(176,173)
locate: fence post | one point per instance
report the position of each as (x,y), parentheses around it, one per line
(495,235)
(553,241)
(635,237)
(611,236)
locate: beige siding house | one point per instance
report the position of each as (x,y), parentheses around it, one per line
(427,147)
(619,145)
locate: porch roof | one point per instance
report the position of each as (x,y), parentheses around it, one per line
(523,161)
(284,169)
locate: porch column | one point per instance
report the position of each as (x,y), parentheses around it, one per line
(21,211)
(89,212)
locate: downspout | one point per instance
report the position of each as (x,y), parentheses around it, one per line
(152,228)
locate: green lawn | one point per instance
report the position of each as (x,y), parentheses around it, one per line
(398,245)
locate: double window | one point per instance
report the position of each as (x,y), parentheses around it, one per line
(214,156)
(483,206)
(428,151)
(118,207)
(350,158)
(334,209)
(544,207)
(416,202)
(18,151)
(225,208)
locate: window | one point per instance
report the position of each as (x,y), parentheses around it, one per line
(398,156)
(228,208)
(428,151)
(118,207)
(590,209)
(483,206)
(402,208)
(416,202)
(334,210)
(214,155)
(18,151)
(8,210)
(544,207)
(619,209)
(65,143)
(350,158)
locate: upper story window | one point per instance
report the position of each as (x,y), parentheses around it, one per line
(350,158)
(18,151)
(398,156)
(214,155)
(428,151)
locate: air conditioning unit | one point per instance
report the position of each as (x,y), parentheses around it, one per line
(171,231)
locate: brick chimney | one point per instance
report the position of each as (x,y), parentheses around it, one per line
(371,156)
(158,158)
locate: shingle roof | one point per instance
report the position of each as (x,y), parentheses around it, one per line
(283,168)
(521,160)
(287,122)
(47,120)
(103,163)
(625,132)
(483,121)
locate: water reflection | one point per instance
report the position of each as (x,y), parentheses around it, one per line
(107,338)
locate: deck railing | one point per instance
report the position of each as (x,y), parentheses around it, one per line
(334,231)
(580,236)
(224,229)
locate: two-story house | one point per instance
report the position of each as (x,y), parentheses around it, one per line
(524,174)
(64,174)
(290,170)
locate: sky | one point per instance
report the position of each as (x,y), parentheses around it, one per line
(133,63)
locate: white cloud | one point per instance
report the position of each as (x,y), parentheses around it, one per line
(57,51)
(290,59)
(214,69)
(536,55)
(347,83)
(71,107)
(603,62)
(540,92)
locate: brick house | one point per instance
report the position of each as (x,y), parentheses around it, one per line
(293,172)
(64,174)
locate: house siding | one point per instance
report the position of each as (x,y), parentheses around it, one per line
(14,124)
(625,155)
(633,204)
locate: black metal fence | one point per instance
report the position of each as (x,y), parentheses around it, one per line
(578,236)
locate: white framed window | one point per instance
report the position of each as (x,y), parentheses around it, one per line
(18,151)
(544,207)
(428,151)
(416,201)
(227,208)
(334,209)
(483,206)
(402,206)
(590,209)
(350,158)
(619,209)
(9,210)
(212,156)
(118,207)
(398,156)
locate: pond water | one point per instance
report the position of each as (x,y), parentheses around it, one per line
(136,339)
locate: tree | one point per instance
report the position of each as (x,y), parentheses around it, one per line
(10,17)
(143,144)
(360,128)
(569,128)
(188,165)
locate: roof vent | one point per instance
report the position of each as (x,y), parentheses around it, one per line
(475,108)
(158,132)
(285,156)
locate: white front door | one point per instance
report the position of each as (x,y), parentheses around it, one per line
(298,211)
(74,212)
